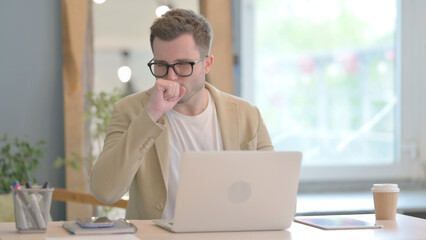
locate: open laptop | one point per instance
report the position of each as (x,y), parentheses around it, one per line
(235,191)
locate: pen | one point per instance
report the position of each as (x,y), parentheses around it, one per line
(46,201)
(38,195)
(26,205)
(34,201)
(21,219)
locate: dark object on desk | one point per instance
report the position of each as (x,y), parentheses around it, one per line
(336,223)
(120,226)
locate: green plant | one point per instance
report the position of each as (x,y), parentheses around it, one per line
(98,112)
(18,161)
(74,162)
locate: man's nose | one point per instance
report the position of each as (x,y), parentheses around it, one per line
(171,74)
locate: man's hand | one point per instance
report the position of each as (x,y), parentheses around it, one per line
(164,97)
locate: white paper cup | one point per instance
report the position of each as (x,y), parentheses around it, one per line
(385,200)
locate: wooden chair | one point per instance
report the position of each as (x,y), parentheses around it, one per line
(65,195)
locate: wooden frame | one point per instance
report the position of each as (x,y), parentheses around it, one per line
(77,76)
(65,195)
(219,14)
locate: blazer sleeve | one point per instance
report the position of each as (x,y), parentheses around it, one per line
(126,143)
(253,132)
(263,139)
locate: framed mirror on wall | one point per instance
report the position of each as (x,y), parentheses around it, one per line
(113,35)
(121,50)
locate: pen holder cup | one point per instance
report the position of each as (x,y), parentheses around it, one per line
(32,208)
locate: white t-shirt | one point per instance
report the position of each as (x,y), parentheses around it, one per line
(189,133)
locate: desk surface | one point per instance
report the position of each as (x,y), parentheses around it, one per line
(405,227)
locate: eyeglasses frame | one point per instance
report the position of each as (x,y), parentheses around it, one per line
(150,63)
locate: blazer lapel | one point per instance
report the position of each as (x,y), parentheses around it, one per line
(227,114)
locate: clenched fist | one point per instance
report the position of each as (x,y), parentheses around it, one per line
(165,96)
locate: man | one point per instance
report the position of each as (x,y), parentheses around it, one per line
(149,131)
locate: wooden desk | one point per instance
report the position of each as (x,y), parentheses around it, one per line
(405,227)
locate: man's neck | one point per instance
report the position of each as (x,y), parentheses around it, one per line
(196,105)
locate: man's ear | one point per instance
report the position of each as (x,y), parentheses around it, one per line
(208,63)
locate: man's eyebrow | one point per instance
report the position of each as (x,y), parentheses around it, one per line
(183,60)
(159,61)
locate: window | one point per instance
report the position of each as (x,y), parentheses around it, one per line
(326,75)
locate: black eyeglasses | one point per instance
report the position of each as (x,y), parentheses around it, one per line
(182,69)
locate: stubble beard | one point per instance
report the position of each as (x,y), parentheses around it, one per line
(193,91)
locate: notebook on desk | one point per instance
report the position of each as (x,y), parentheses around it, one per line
(336,222)
(235,191)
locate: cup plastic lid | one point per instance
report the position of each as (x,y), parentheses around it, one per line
(385,187)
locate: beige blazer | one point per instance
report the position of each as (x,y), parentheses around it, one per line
(135,154)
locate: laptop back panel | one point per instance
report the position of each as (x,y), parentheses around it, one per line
(236,191)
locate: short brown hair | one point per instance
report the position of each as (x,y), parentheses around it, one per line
(177,22)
